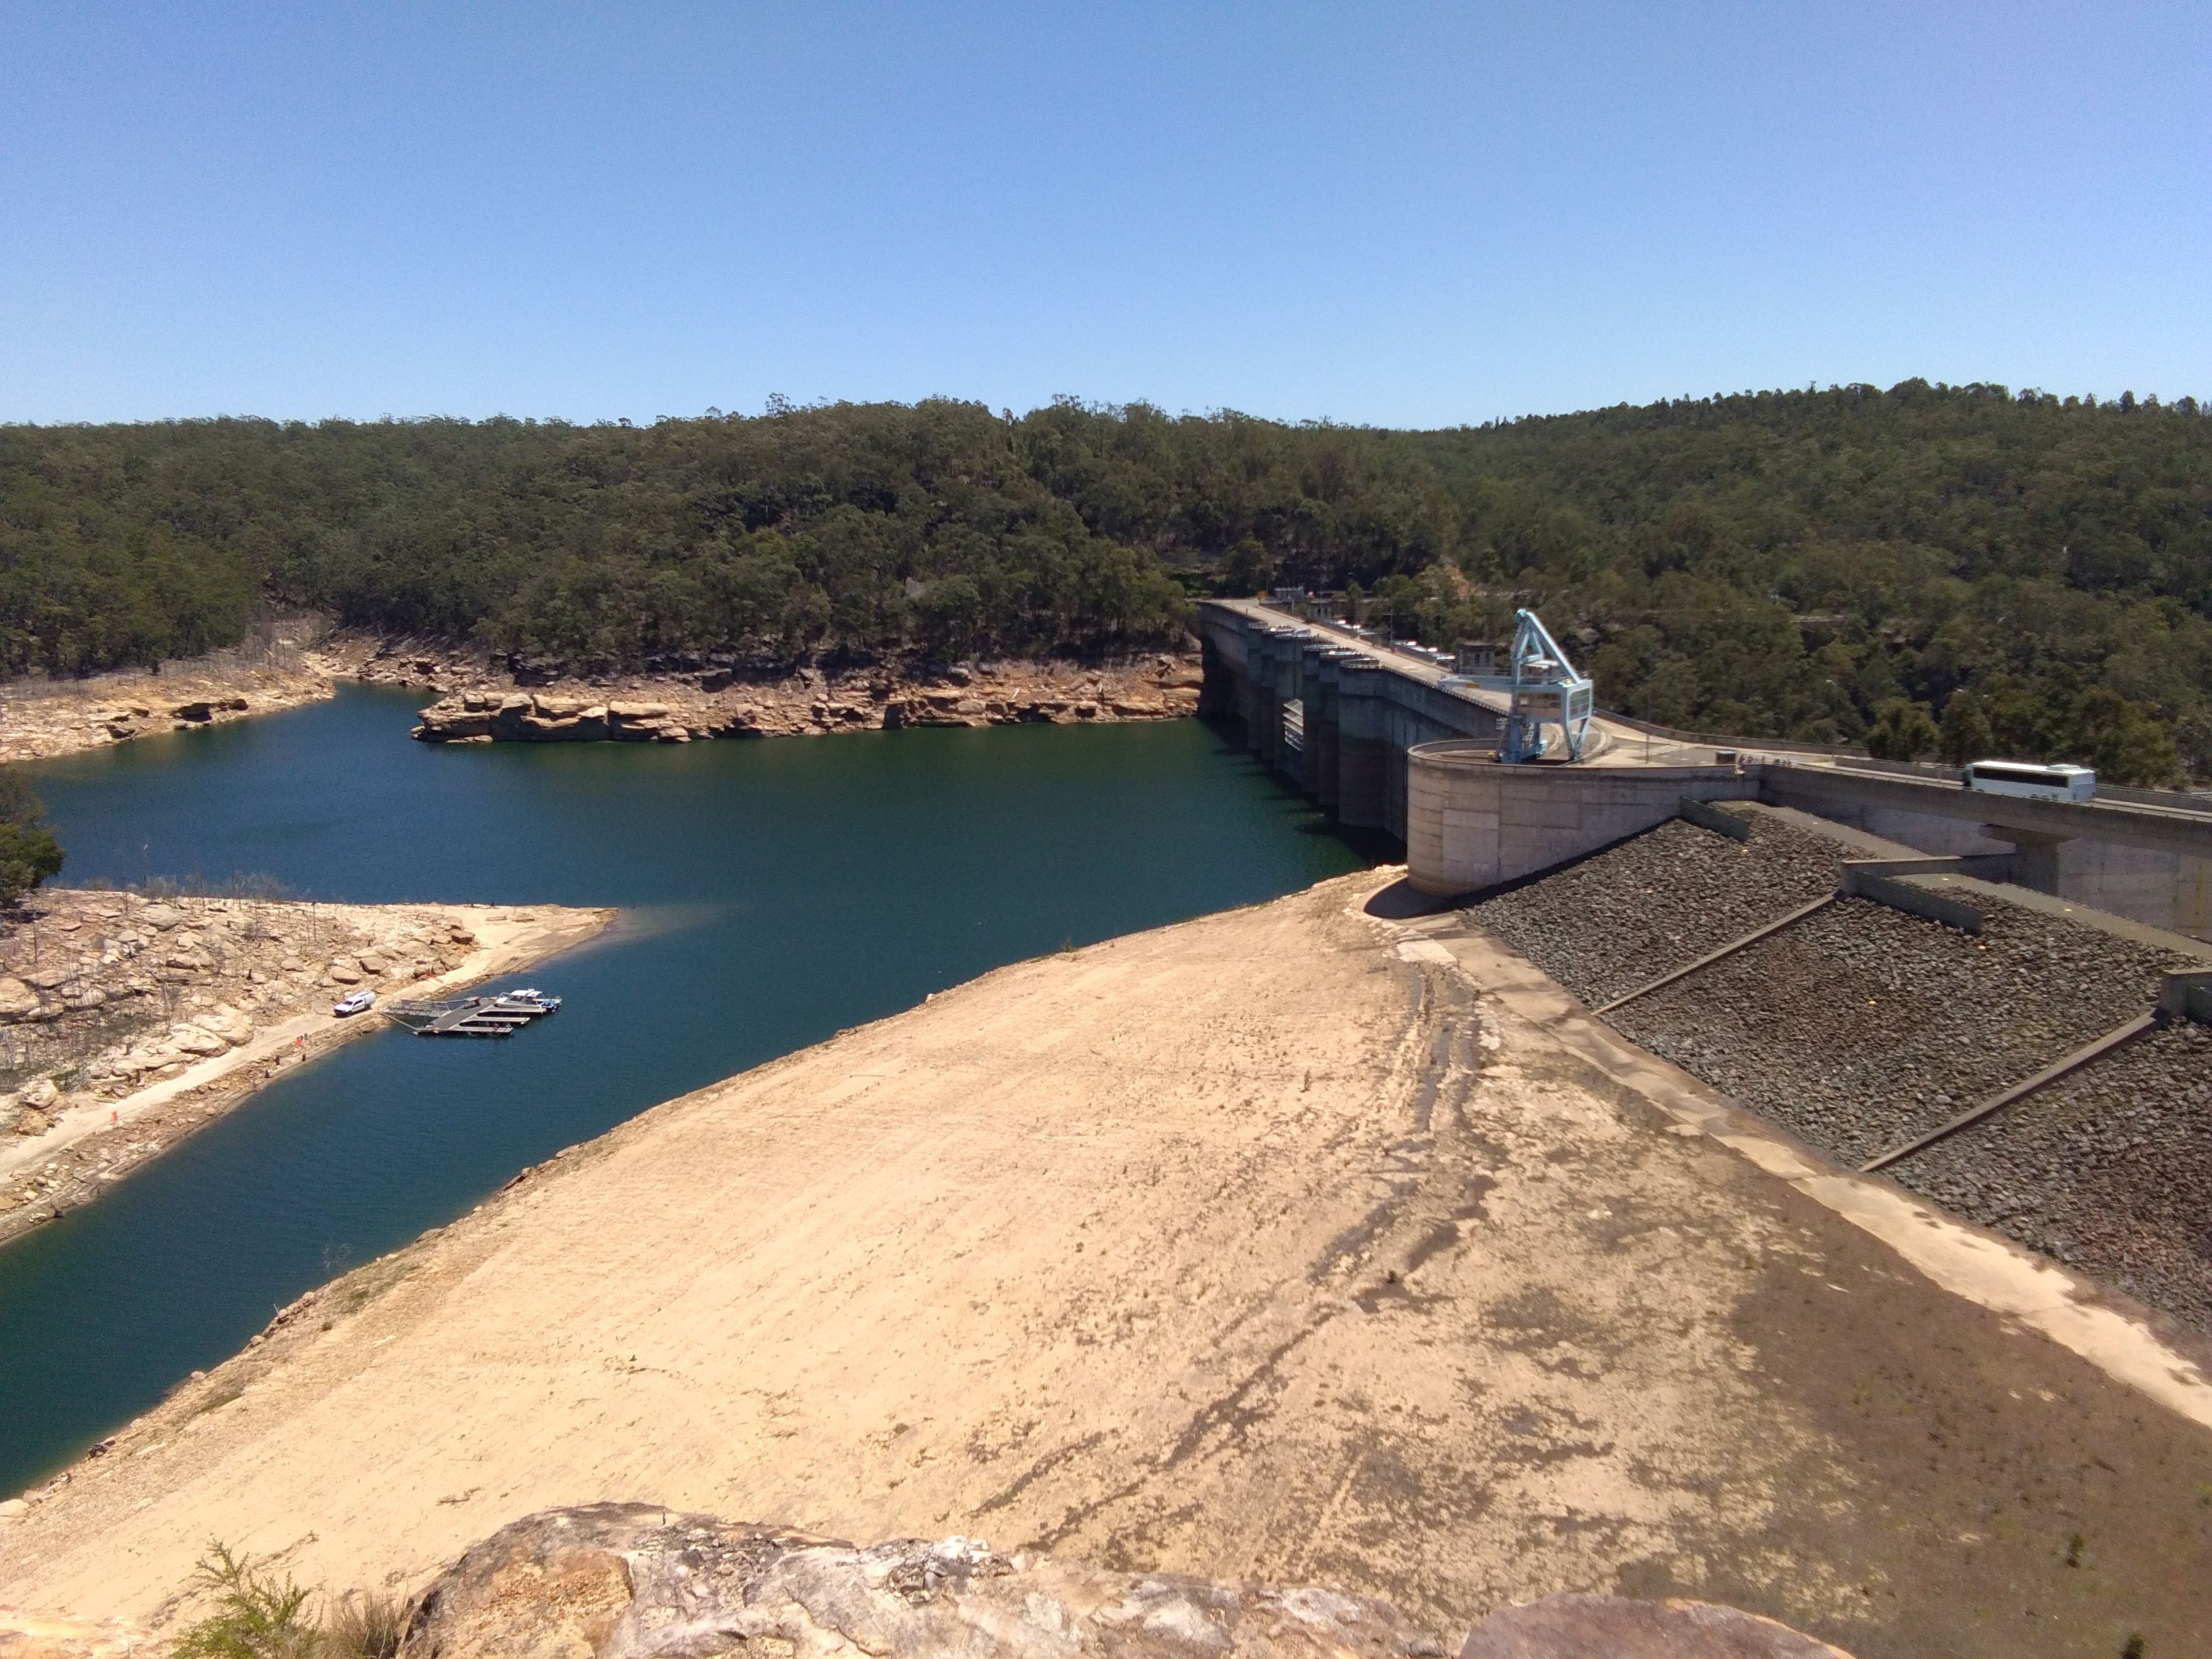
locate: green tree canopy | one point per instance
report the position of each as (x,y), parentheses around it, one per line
(29,854)
(1782,564)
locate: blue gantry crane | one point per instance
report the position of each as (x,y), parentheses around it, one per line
(1543,688)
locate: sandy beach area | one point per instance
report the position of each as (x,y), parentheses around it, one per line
(1296,1242)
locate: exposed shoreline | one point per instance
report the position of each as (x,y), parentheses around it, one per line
(726,701)
(45,720)
(1363,1262)
(479,702)
(87,1140)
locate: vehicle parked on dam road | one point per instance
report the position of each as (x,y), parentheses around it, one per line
(2035,782)
(353,1002)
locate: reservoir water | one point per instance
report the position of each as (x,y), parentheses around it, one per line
(772,893)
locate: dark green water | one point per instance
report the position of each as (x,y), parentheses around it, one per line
(774,891)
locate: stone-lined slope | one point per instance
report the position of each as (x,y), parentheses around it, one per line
(1622,917)
(2109,1170)
(1861,1026)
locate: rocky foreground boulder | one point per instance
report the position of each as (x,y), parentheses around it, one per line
(633,1581)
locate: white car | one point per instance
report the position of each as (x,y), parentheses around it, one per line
(353,1002)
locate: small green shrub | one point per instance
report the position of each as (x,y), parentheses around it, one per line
(29,854)
(258,1615)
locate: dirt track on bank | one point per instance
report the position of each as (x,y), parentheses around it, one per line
(1271,1245)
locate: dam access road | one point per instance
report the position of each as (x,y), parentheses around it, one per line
(1296,1242)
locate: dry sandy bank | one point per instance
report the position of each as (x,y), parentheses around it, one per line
(1275,1244)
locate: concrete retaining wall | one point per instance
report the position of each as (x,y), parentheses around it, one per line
(2154,868)
(1473,824)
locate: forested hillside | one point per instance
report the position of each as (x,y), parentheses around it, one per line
(1839,565)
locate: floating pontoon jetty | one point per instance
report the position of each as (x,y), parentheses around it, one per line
(476,1017)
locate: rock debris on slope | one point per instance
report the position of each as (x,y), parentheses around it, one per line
(1861,1027)
(1659,901)
(2109,1170)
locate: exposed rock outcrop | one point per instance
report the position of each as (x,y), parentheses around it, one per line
(481,700)
(108,999)
(714,702)
(633,1581)
(41,718)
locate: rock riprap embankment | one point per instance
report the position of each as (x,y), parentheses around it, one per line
(718,702)
(1861,1026)
(1660,900)
(634,1581)
(2109,1170)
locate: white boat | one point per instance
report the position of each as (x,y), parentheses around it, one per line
(529,998)
(353,1002)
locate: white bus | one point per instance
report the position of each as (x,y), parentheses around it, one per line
(2036,783)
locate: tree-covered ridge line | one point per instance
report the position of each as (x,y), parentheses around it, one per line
(1835,565)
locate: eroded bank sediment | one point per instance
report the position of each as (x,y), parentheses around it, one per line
(1268,1246)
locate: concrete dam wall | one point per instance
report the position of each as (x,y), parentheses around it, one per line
(1383,740)
(1331,716)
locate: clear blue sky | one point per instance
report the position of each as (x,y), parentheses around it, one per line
(1390,214)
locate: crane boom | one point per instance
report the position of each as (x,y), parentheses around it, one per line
(1543,688)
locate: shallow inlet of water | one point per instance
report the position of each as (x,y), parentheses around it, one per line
(773,892)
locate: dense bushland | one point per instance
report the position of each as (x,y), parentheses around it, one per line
(1837,565)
